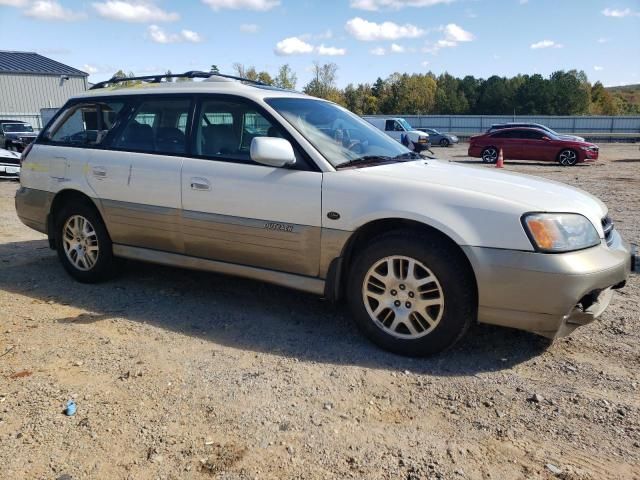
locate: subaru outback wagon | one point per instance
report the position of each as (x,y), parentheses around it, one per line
(236,177)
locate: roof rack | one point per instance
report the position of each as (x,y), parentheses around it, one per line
(159,78)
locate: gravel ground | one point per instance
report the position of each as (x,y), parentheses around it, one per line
(181,374)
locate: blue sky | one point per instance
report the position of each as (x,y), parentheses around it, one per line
(365,38)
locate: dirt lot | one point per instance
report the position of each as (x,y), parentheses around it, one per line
(179,374)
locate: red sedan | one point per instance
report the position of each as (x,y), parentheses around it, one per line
(530,144)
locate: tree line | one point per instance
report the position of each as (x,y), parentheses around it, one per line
(561,93)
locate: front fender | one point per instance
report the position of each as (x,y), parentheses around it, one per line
(465,217)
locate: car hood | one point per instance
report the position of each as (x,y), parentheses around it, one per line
(7,154)
(533,194)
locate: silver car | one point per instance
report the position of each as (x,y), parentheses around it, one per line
(439,138)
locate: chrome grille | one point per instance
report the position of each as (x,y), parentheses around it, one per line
(607,226)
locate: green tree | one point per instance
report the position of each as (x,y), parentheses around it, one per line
(214,69)
(286,78)
(323,84)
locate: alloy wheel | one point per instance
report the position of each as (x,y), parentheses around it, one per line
(490,155)
(80,242)
(568,158)
(403,297)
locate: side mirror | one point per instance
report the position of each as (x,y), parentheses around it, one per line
(271,151)
(546,139)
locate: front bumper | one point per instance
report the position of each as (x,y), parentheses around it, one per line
(419,147)
(9,170)
(549,294)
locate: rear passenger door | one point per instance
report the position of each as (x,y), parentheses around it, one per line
(238,211)
(509,142)
(138,176)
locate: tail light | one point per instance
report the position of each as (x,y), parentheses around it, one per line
(25,152)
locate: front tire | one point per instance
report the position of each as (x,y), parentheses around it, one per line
(489,155)
(411,294)
(83,244)
(567,158)
(444,142)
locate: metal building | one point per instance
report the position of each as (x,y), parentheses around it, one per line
(29,82)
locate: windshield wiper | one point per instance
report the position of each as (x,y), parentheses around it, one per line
(373,159)
(408,156)
(364,159)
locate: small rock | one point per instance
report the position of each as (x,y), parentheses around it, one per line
(535,398)
(328,406)
(156,458)
(553,468)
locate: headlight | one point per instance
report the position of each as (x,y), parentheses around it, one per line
(560,232)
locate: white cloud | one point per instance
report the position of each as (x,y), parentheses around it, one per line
(523,2)
(90,69)
(298,46)
(598,68)
(14,3)
(292,46)
(613,12)
(327,34)
(51,10)
(259,5)
(455,33)
(134,11)
(603,40)
(379,51)
(545,44)
(424,63)
(374,5)
(371,31)
(158,35)
(331,51)
(249,28)
(395,48)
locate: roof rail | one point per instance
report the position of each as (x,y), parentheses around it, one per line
(158,78)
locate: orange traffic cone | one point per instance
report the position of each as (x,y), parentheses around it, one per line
(500,162)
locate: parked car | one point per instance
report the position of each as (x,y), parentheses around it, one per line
(16,136)
(500,126)
(439,138)
(531,144)
(9,164)
(399,129)
(419,248)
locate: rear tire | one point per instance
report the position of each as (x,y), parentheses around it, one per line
(567,158)
(489,155)
(83,243)
(411,294)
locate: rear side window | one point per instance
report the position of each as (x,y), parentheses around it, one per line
(156,126)
(86,124)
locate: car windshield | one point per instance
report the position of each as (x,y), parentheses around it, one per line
(17,127)
(339,135)
(405,124)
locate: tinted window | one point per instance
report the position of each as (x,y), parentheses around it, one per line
(507,134)
(17,127)
(86,124)
(157,126)
(389,125)
(533,135)
(225,129)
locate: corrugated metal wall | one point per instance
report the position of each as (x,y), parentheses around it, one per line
(470,124)
(22,96)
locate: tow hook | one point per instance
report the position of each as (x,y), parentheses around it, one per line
(635,259)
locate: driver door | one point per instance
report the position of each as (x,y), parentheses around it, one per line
(238,211)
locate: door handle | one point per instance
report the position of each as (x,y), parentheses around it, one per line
(201,184)
(100,172)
